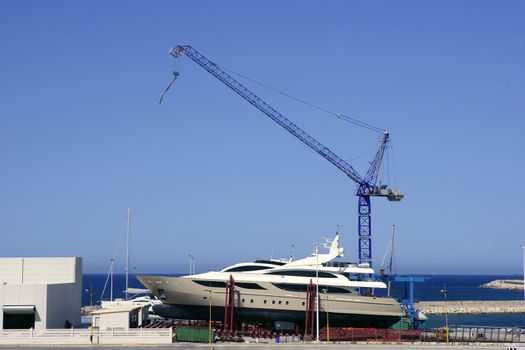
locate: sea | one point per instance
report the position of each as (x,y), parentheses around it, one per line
(459,287)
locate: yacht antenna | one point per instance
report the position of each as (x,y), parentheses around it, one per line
(127,251)
(327,243)
(291,254)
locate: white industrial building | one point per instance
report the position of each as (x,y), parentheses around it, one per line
(122,317)
(40,293)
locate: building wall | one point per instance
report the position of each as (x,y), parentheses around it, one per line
(25,295)
(114,320)
(11,270)
(120,319)
(53,285)
(40,270)
(63,304)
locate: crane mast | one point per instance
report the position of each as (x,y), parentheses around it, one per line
(366,186)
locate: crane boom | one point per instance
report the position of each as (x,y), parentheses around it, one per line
(280,119)
(366,186)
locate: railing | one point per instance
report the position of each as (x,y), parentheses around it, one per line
(457,334)
(486,334)
(85,336)
(369,334)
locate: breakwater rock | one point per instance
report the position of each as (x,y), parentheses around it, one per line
(471,307)
(504,284)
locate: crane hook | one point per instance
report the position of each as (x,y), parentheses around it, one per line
(175,76)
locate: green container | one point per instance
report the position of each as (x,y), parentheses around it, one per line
(192,334)
(402,324)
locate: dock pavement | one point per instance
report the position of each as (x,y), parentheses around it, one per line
(307,346)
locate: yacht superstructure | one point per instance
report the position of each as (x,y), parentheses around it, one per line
(275,290)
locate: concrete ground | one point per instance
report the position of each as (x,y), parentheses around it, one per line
(310,346)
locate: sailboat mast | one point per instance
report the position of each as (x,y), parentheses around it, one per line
(392,249)
(127,251)
(111,279)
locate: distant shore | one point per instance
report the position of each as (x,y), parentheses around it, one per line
(471,307)
(504,284)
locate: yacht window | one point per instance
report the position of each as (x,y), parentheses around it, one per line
(339,264)
(247,268)
(291,287)
(248,285)
(286,302)
(302,273)
(242,300)
(162,294)
(335,290)
(279,302)
(265,301)
(251,300)
(213,284)
(271,262)
(273,301)
(302,288)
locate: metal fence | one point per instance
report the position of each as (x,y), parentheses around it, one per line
(372,334)
(456,334)
(486,334)
(85,336)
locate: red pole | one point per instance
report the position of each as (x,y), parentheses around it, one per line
(225,322)
(307,311)
(232,302)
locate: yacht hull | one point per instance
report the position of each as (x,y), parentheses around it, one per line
(195,312)
(187,298)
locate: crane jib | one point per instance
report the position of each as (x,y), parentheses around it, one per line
(258,103)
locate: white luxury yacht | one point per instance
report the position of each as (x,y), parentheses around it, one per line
(276,290)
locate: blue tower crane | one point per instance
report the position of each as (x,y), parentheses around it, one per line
(366,187)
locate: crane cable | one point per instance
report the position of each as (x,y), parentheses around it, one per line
(322,109)
(175,76)
(337,115)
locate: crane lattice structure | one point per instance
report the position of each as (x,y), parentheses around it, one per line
(366,185)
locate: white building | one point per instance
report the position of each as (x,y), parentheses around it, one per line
(40,293)
(121,317)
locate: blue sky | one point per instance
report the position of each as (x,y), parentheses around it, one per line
(82,135)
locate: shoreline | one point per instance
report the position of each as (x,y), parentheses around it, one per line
(516,285)
(471,307)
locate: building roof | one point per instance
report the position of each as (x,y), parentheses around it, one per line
(40,270)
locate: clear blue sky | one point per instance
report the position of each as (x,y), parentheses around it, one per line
(82,135)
